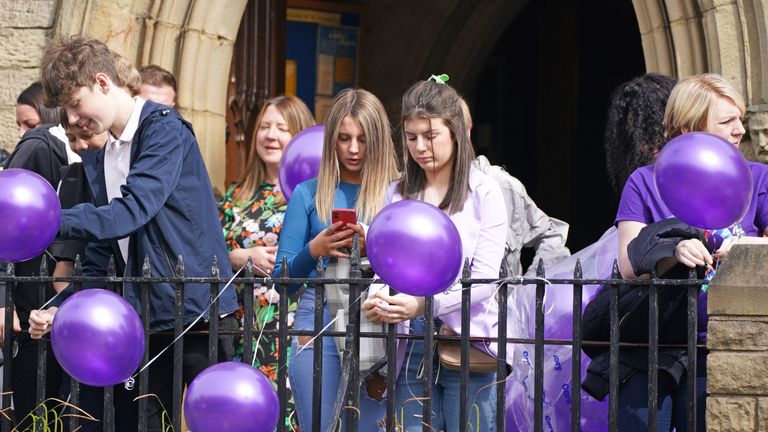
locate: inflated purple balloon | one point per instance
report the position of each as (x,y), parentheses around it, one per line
(97,337)
(301,159)
(703,180)
(414,247)
(31,214)
(231,397)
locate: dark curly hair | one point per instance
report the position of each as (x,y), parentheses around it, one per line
(634,131)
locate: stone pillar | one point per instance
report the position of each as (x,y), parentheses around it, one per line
(25,27)
(737,366)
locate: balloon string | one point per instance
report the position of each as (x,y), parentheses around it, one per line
(190,326)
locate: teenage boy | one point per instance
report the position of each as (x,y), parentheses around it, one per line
(151,198)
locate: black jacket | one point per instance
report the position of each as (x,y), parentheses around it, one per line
(654,243)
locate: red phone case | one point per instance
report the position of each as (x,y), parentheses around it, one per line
(344,215)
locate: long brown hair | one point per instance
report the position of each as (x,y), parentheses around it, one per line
(380,164)
(297,116)
(430,100)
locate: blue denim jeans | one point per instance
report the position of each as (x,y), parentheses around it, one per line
(672,404)
(445,393)
(300,374)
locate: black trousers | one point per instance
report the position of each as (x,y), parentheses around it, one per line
(160,401)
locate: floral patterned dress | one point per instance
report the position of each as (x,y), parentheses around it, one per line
(251,223)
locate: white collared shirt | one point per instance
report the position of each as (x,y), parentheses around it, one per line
(117,162)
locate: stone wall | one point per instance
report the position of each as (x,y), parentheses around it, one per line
(25,28)
(737,366)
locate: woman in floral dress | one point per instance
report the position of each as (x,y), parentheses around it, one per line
(251,214)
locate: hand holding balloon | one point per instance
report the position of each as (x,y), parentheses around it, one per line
(383,308)
(40,322)
(692,253)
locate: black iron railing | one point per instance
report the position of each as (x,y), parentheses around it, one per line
(348,395)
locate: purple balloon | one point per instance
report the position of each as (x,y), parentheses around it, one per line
(31,214)
(97,337)
(414,247)
(704,180)
(301,159)
(231,397)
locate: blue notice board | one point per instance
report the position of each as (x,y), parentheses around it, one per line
(321,56)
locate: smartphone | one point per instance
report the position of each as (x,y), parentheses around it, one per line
(344,215)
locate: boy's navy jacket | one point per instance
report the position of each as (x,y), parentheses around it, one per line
(167,209)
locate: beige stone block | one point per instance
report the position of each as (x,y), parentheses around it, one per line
(762,414)
(726,43)
(22,47)
(174,12)
(731,414)
(13,81)
(217,18)
(120,29)
(707,5)
(27,13)
(9,133)
(203,71)
(737,334)
(165,46)
(210,131)
(740,286)
(737,372)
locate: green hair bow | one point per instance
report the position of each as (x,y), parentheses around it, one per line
(440,79)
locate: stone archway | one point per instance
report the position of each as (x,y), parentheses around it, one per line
(192,39)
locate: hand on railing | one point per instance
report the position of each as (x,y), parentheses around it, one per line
(263,258)
(16,325)
(383,308)
(328,242)
(41,321)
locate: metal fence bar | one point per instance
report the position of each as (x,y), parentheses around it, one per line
(146,271)
(282,376)
(464,371)
(391,422)
(178,347)
(501,362)
(538,356)
(282,355)
(248,315)
(613,394)
(109,391)
(353,390)
(692,309)
(213,317)
(10,287)
(576,351)
(74,385)
(317,371)
(42,354)
(429,359)
(653,355)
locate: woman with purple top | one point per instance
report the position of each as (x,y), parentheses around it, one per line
(438,156)
(705,103)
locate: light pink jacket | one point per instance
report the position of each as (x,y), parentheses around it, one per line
(482,225)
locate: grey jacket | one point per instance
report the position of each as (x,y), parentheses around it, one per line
(528,225)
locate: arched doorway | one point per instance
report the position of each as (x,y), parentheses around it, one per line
(540,103)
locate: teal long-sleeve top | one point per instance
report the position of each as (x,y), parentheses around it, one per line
(302,224)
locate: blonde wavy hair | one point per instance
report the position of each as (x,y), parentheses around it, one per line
(380,164)
(297,116)
(690,104)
